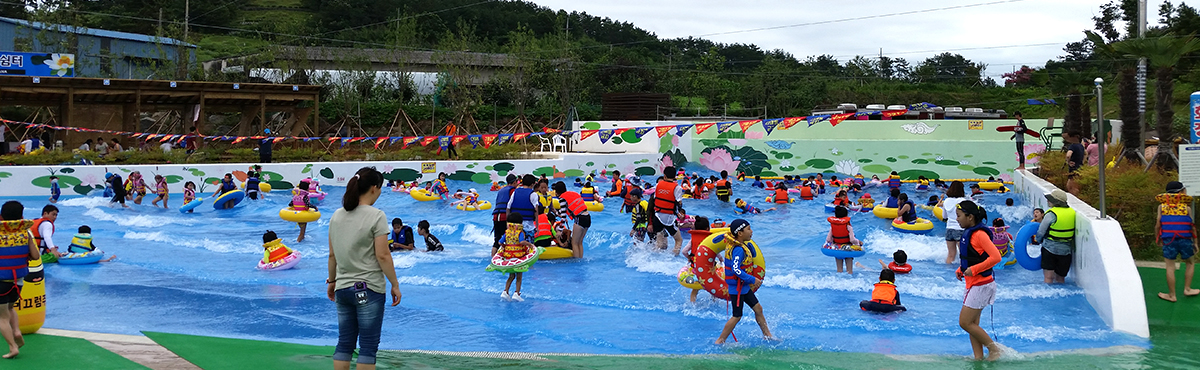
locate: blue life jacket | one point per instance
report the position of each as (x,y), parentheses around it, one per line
(1176,226)
(522,205)
(892,202)
(967,255)
(758,184)
(227,187)
(398,236)
(911,215)
(502,198)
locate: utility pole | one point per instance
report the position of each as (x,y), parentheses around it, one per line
(1103,137)
(1141,77)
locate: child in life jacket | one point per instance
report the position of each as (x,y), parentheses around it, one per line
(55,191)
(933,200)
(402,237)
(899,263)
(1001,237)
(842,233)
(161,190)
(639,216)
(866,202)
(273,248)
(514,246)
(82,243)
(841,199)
(300,202)
(589,194)
(189,193)
(745,208)
(137,187)
(884,298)
(758,182)
(922,183)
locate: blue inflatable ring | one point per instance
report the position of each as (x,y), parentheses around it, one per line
(1021,250)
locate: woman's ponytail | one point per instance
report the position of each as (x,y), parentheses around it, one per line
(362,181)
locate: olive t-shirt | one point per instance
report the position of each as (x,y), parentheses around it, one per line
(352,234)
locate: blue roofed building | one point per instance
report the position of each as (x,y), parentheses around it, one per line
(100,53)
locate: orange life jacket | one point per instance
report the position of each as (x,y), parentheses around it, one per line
(840,229)
(781,196)
(806,193)
(575,203)
(664,197)
(545,230)
(885,292)
(841,202)
(37,234)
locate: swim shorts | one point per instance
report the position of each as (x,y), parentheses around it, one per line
(738,300)
(980,296)
(954,235)
(658,226)
(1059,263)
(1178,248)
(10,292)
(584,221)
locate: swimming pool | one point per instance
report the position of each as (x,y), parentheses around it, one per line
(195,274)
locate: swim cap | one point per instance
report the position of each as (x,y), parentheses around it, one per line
(737,225)
(473,190)
(108,176)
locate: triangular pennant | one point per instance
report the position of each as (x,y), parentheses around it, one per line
(457,139)
(605,135)
(812,120)
(921,106)
(769,125)
(622,130)
(278,139)
(748,123)
(333,139)
(409,141)
(838,118)
(444,141)
(724,126)
(393,140)
(550,130)
(641,131)
(703,126)
(425,141)
(663,130)
(475,140)
(239,139)
(520,136)
(583,135)
(379,141)
(488,140)
(503,138)
(895,112)
(681,130)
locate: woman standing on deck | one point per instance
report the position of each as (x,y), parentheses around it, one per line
(359,260)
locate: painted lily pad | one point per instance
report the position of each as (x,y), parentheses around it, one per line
(773,161)
(269,176)
(865,160)
(172,179)
(902,157)
(947,162)
(783,155)
(877,169)
(482,178)
(768,173)
(307,169)
(784,169)
(819,163)
(891,159)
(5,175)
(590,164)
(987,171)
(63,181)
(280,185)
(85,190)
(966,167)
(461,175)
(67,170)
(327,173)
(712,143)
(402,174)
(547,171)
(914,174)
(631,137)
(920,161)
(574,173)
(502,168)
(612,165)
(645,171)
(990,163)
(590,126)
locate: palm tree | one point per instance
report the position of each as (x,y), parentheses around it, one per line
(1163,53)
(1131,126)
(1070,82)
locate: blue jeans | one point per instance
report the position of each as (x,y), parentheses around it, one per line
(361,323)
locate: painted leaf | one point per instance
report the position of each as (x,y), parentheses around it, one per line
(461,175)
(67,170)
(891,159)
(280,185)
(947,162)
(590,126)
(402,174)
(212,180)
(482,178)
(631,137)
(783,155)
(865,160)
(920,161)
(877,169)
(198,173)
(124,170)
(489,168)
(819,163)
(82,190)
(172,179)
(63,182)
(677,158)
(752,161)
(546,171)
(769,173)
(503,167)
(269,176)
(645,171)
(617,140)
(5,175)
(327,173)
(612,165)
(573,173)
(470,166)
(914,174)
(711,143)
(987,171)
(590,164)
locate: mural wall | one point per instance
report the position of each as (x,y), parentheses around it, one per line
(82,180)
(930,148)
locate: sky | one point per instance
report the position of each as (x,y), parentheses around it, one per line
(985,33)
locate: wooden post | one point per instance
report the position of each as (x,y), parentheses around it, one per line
(67,115)
(316,125)
(262,114)
(200,120)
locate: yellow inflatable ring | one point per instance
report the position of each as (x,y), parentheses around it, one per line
(772,200)
(31,310)
(938,212)
(554,253)
(291,215)
(594,206)
(688,279)
(262,187)
(920,226)
(482,205)
(990,185)
(885,212)
(424,195)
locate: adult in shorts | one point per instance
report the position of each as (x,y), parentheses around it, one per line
(1057,237)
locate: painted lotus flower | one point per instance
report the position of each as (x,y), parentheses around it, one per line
(450,169)
(90,180)
(664,163)
(834,151)
(737,142)
(719,160)
(785,163)
(675,141)
(964,162)
(61,63)
(847,167)
(388,169)
(938,158)
(1032,153)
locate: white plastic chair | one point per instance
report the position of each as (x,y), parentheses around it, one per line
(545,143)
(560,142)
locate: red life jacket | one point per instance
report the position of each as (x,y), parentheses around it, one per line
(806,193)
(664,197)
(781,196)
(629,195)
(840,229)
(37,234)
(544,229)
(575,203)
(841,202)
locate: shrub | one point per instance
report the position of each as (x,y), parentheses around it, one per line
(1129,196)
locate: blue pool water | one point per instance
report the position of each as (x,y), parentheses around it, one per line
(195,274)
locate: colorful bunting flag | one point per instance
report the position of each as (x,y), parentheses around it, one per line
(769,125)
(748,123)
(583,135)
(724,126)
(428,140)
(812,120)
(520,136)
(893,113)
(641,131)
(550,130)
(488,140)
(503,138)
(838,118)
(701,127)
(457,139)
(681,130)
(622,130)
(605,135)
(475,140)
(239,139)
(380,141)
(409,141)
(663,130)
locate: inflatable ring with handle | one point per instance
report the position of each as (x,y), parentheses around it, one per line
(482,205)
(920,226)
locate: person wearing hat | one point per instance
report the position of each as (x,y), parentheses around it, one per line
(1176,232)
(739,259)
(118,187)
(977,255)
(264,147)
(1057,237)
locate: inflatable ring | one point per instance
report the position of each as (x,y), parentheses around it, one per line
(986,185)
(316,196)
(900,269)
(876,307)
(689,280)
(290,214)
(554,253)
(842,250)
(886,212)
(283,264)
(937,212)
(711,275)
(31,313)
(594,206)
(262,187)
(1021,247)
(86,258)
(191,205)
(920,226)
(423,195)
(482,205)
(522,264)
(236,196)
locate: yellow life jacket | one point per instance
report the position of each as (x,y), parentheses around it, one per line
(1063,229)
